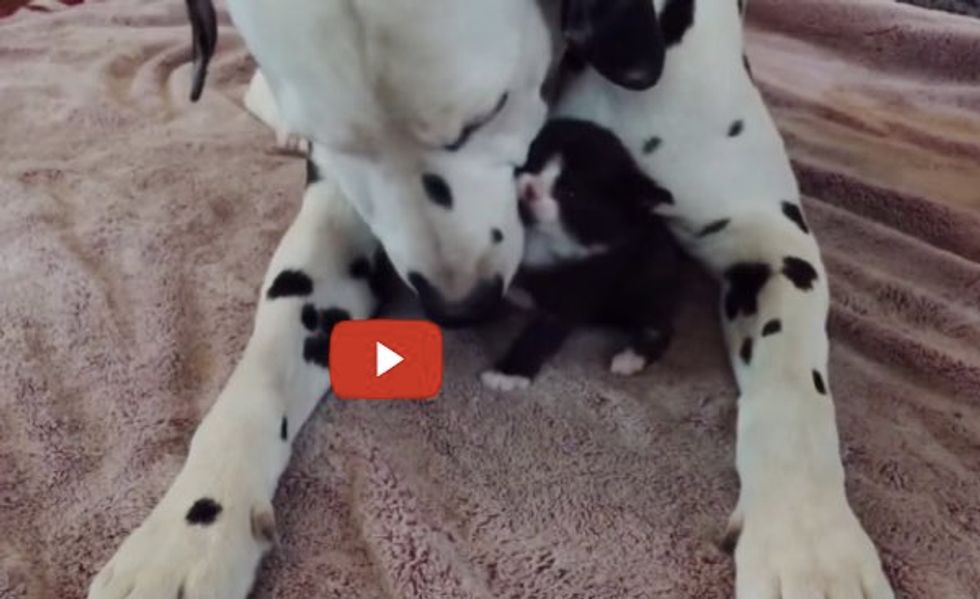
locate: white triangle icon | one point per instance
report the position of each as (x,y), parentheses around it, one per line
(385,358)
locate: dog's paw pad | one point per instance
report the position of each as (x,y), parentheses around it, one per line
(499,381)
(627,363)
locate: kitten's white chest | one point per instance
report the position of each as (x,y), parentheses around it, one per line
(549,244)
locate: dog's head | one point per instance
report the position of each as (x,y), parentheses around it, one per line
(422,110)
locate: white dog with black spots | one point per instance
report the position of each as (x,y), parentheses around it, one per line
(418,113)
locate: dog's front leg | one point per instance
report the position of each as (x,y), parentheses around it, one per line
(262,104)
(206,536)
(795,534)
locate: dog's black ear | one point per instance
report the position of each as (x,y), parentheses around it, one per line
(204,30)
(621,39)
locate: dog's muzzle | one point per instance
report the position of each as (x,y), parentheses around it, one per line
(482,303)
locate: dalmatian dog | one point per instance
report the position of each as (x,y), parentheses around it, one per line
(418,113)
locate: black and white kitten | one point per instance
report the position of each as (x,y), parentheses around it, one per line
(595,252)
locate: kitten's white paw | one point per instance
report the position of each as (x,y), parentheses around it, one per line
(499,381)
(627,363)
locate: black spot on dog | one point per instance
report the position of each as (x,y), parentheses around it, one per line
(735,129)
(745,281)
(316,350)
(748,67)
(800,272)
(203,512)
(793,212)
(360,268)
(309,317)
(316,347)
(384,282)
(180,591)
(714,227)
(290,283)
(330,317)
(676,18)
(651,144)
(284,429)
(312,173)
(741,7)
(818,383)
(438,190)
(772,327)
(496,235)
(746,351)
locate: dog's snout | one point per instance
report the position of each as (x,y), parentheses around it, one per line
(481,303)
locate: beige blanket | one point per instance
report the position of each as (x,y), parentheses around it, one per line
(135,228)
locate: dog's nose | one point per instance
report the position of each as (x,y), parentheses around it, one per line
(479,304)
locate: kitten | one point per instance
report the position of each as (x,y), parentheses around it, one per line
(595,252)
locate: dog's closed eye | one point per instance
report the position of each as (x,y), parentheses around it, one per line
(470,129)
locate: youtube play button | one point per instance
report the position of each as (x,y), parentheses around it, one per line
(386,359)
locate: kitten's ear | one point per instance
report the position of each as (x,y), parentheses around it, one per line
(204,32)
(621,39)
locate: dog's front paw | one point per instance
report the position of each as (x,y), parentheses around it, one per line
(810,549)
(190,547)
(290,143)
(627,363)
(260,101)
(499,381)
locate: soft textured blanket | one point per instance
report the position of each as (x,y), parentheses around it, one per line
(134,231)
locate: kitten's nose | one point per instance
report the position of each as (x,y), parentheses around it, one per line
(526,188)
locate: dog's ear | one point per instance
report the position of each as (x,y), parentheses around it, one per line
(621,39)
(204,31)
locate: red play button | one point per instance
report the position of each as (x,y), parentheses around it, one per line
(386,359)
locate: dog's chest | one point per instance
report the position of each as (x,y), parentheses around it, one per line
(704,88)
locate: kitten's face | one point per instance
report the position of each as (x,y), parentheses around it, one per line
(574,201)
(580,193)
(555,213)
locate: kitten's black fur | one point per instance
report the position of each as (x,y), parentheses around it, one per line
(604,199)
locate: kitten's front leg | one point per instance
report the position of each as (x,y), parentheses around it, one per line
(539,341)
(647,346)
